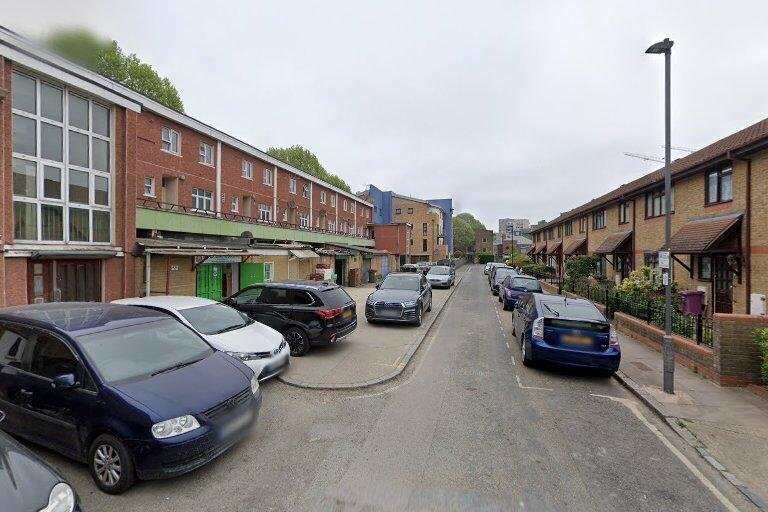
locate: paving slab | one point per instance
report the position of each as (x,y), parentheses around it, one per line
(727,425)
(372,354)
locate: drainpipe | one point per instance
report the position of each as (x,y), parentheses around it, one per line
(147,272)
(274,193)
(218,179)
(748,234)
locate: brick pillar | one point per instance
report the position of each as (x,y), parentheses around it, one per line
(736,356)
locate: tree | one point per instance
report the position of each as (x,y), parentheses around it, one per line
(106,58)
(515,258)
(464,227)
(302,158)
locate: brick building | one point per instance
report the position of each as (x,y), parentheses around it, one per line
(719,224)
(108,194)
(394,238)
(484,241)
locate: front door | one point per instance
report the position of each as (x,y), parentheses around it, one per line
(251,273)
(366,270)
(209,281)
(339,270)
(40,281)
(77,280)
(722,284)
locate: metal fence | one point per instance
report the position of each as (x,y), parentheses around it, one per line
(649,309)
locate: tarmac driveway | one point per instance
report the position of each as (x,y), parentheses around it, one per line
(373,353)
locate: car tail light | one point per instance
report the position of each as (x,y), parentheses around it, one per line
(538,328)
(614,339)
(327,314)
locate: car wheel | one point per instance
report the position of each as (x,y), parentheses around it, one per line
(499,295)
(527,359)
(417,322)
(370,320)
(111,465)
(297,341)
(504,305)
(429,308)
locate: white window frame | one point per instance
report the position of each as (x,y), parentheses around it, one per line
(304,220)
(205,154)
(265,212)
(322,197)
(64,167)
(169,140)
(344,204)
(266,177)
(269,271)
(292,185)
(352,207)
(305,191)
(247,169)
(235,206)
(149,180)
(206,197)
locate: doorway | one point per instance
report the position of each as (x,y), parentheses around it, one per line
(338,268)
(722,284)
(77,280)
(209,281)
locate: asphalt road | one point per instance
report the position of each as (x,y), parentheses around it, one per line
(465,427)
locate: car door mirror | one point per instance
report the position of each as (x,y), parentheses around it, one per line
(64,381)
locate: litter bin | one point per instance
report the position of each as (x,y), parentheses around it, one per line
(693,302)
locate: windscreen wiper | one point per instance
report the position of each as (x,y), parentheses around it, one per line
(176,366)
(550,309)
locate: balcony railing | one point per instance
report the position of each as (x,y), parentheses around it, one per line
(236,217)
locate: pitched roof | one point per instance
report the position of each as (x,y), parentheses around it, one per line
(718,149)
(613,242)
(699,235)
(571,246)
(539,247)
(553,246)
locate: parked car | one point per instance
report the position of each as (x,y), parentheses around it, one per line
(129,391)
(307,313)
(497,276)
(28,483)
(490,266)
(423,266)
(441,276)
(513,287)
(570,332)
(400,298)
(261,348)
(409,267)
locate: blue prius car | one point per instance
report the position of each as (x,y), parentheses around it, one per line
(571,332)
(130,391)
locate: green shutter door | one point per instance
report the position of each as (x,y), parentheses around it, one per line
(209,281)
(251,273)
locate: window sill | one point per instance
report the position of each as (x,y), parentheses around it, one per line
(153,196)
(170,152)
(717,203)
(247,178)
(206,164)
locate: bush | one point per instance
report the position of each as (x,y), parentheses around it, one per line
(761,338)
(484,257)
(578,269)
(538,270)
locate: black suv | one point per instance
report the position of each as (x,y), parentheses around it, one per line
(308,313)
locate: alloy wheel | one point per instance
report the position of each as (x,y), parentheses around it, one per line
(106,463)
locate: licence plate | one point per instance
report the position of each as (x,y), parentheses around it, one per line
(347,314)
(581,341)
(236,424)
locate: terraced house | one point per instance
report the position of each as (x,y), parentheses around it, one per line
(719,224)
(107,194)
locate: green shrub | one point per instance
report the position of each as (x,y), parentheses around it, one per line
(761,338)
(484,257)
(538,270)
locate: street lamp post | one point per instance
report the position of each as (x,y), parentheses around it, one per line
(668,348)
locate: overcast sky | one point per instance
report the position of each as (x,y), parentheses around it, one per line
(514,109)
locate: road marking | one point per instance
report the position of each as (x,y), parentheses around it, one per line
(687,463)
(512,358)
(520,384)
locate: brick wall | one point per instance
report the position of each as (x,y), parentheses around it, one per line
(737,358)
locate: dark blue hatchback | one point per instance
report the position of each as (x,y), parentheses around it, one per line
(570,332)
(129,391)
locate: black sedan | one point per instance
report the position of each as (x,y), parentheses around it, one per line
(28,483)
(400,297)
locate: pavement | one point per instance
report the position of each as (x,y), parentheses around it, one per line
(464,427)
(728,426)
(371,354)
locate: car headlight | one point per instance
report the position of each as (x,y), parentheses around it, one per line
(242,356)
(409,304)
(61,499)
(255,385)
(174,426)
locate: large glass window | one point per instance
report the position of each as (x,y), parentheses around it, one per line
(720,186)
(202,199)
(61,157)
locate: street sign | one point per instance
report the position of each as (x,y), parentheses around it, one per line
(663,259)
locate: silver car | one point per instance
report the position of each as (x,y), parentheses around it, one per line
(261,348)
(441,276)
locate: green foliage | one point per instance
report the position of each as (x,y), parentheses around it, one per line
(761,338)
(516,258)
(464,227)
(643,283)
(106,58)
(538,270)
(484,257)
(302,158)
(578,269)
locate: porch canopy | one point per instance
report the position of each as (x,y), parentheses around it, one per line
(206,250)
(708,235)
(539,248)
(615,243)
(572,247)
(553,246)
(303,254)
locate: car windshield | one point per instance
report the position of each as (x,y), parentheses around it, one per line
(439,270)
(501,273)
(215,318)
(142,350)
(583,311)
(400,283)
(530,285)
